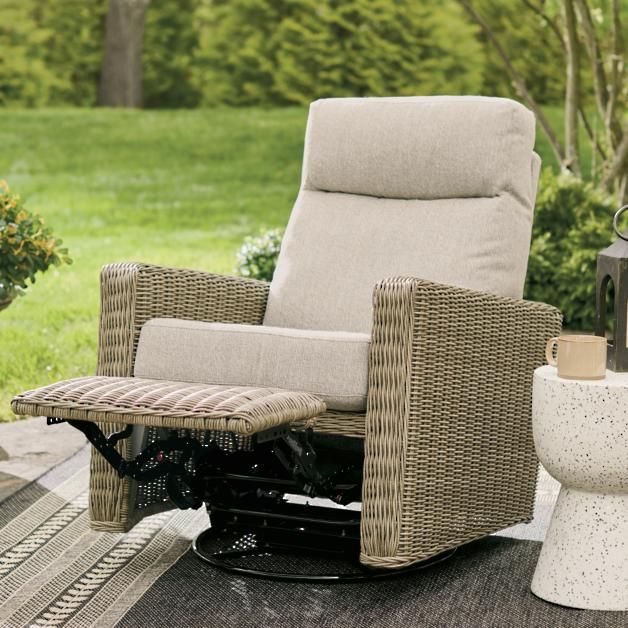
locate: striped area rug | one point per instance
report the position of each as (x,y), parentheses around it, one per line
(55,571)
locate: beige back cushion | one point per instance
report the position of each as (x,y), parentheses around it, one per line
(440,188)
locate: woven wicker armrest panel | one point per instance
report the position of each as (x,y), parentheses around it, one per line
(449,454)
(157,403)
(131,294)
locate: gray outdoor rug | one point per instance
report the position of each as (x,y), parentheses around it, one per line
(54,571)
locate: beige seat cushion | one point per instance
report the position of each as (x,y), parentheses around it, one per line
(330,365)
(440,188)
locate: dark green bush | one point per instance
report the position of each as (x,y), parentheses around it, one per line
(533,49)
(24,77)
(572,223)
(281,51)
(170,43)
(50,52)
(257,257)
(74,48)
(266,52)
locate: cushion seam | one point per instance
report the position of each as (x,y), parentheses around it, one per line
(230,331)
(404,198)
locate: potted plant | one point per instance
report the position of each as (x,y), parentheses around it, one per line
(27,246)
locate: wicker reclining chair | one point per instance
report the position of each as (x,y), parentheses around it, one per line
(395,311)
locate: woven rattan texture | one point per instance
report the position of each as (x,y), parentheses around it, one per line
(349,424)
(449,455)
(158,403)
(131,294)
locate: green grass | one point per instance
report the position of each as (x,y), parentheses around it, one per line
(175,188)
(178,188)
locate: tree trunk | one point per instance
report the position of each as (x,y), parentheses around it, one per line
(572,91)
(616,179)
(121,76)
(600,84)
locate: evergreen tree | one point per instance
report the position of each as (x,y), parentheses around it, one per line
(170,42)
(235,61)
(376,48)
(73,49)
(24,77)
(535,50)
(292,51)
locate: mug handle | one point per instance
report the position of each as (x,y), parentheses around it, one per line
(552,343)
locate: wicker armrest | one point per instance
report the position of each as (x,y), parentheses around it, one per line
(131,294)
(449,455)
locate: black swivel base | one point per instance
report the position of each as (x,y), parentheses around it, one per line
(295,547)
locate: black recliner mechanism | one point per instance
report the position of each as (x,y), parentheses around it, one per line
(260,499)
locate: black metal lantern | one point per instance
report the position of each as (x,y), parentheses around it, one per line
(612,265)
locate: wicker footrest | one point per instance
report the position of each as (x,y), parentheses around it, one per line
(157,403)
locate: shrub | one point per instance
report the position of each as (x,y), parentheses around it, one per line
(50,52)
(170,41)
(573,222)
(533,51)
(24,78)
(257,257)
(73,48)
(286,52)
(27,246)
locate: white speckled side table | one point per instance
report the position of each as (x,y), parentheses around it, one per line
(581,437)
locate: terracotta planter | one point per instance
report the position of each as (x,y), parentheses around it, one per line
(4,303)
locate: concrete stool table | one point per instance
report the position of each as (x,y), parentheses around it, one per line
(581,437)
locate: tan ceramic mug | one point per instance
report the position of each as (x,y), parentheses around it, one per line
(578,357)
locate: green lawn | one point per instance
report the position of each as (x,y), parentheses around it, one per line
(179,188)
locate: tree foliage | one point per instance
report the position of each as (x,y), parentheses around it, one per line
(284,51)
(206,52)
(24,76)
(73,48)
(535,50)
(49,52)
(170,45)
(590,35)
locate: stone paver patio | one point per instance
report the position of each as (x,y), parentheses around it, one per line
(30,448)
